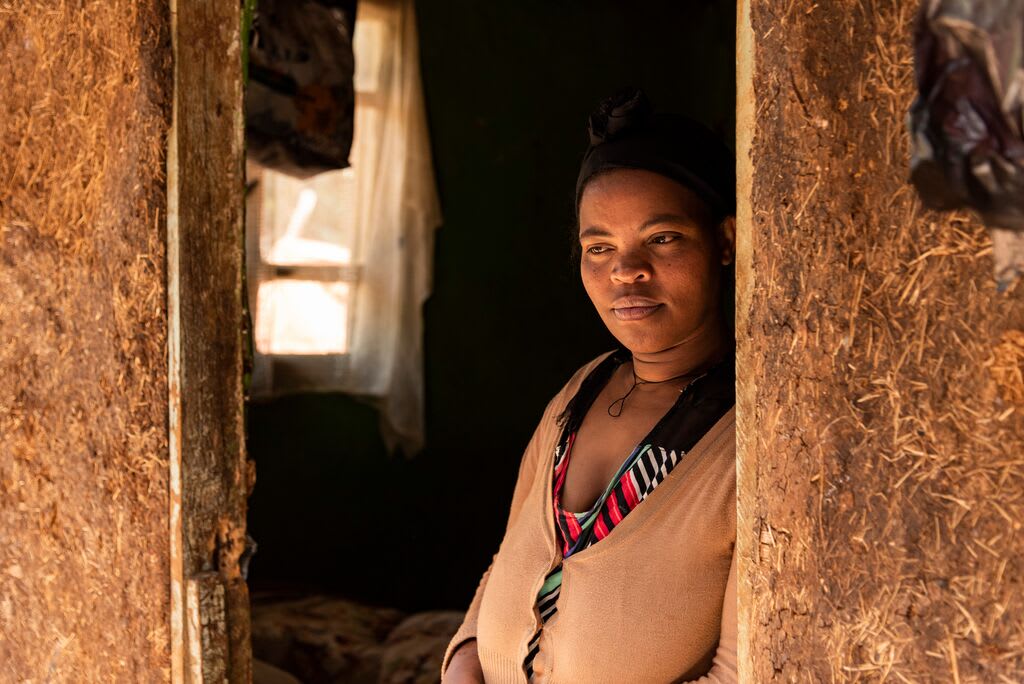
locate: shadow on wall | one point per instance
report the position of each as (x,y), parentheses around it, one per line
(508,89)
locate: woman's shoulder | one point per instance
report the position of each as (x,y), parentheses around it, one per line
(584,371)
(546,433)
(560,401)
(550,423)
(572,386)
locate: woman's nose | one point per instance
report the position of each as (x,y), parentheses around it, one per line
(631,268)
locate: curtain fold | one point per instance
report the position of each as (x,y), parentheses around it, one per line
(397,212)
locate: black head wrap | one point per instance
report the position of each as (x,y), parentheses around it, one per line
(625,133)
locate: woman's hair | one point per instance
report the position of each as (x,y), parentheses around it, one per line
(625,133)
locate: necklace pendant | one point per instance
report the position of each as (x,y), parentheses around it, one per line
(621,402)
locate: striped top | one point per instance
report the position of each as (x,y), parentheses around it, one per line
(643,470)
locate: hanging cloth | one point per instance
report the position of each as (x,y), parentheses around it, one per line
(300,99)
(966,125)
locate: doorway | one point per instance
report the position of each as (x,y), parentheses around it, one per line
(507,128)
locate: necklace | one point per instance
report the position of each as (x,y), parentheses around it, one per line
(637,380)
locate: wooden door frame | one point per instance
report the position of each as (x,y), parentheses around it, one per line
(745,388)
(210,478)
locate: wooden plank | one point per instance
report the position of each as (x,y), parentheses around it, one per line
(879,451)
(209,647)
(746,421)
(215,477)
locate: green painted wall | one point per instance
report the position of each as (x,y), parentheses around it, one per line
(508,88)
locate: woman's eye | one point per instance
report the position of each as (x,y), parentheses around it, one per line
(597,249)
(663,239)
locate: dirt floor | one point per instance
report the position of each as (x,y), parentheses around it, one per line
(83,400)
(885,442)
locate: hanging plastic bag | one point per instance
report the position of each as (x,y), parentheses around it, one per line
(966,127)
(299,103)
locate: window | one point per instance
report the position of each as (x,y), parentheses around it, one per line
(305,274)
(339,263)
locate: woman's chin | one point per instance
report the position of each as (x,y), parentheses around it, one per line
(641,342)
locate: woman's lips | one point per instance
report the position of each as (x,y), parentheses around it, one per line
(634,313)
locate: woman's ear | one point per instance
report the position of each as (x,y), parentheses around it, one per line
(727,239)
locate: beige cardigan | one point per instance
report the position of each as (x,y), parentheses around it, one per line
(655,601)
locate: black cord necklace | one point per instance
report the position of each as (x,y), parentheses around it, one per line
(637,380)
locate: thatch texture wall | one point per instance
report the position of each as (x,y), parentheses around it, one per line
(882,415)
(84,108)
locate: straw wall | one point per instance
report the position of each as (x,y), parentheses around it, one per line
(882,406)
(84,108)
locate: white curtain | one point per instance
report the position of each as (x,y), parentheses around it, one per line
(372,226)
(397,211)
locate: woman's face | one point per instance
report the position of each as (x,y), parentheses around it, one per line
(651,262)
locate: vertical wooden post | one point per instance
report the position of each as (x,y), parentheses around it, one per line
(880,430)
(746,424)
(210,477)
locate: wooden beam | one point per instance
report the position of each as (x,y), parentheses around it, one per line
(210,477)
(746,420)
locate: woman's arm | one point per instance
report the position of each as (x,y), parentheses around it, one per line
(464,665)
(466,634)
(462,647)
(724,667)
(544,435)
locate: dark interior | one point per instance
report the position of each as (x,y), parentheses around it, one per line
(508,87)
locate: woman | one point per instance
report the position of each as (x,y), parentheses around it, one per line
(617,563)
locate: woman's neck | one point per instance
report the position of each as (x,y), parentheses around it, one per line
(691,356)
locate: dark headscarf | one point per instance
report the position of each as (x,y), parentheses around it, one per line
(625,133)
